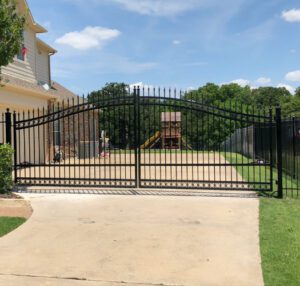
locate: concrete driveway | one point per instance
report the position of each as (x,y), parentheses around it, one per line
(134,240)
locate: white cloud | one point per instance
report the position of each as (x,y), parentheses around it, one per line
(136,84)
(292,15)
(160,7)
(165,8)
(244,82)
(293,76)
(141,85)
(90,37)
(176,42)
(263,80)
(241,82)
(288,87)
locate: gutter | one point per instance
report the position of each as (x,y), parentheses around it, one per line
(30,91)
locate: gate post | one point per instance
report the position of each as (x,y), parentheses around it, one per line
(137,128)
(271,149)
(8,126)
(279,151)
(15,147)
(294,148)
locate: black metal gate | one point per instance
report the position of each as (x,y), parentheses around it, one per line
(143,138)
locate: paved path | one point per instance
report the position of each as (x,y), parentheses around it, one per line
(89,240)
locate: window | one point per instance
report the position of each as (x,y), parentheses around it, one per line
(21,56)
(22,52)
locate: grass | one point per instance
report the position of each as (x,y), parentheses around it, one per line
(8,224)
(261,174)
(280,241)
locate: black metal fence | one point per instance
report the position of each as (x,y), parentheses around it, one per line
(262,137)
(158,138)
(290,153)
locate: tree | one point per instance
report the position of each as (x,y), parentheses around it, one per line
(208,114)
(265,97)
(11,31)
(116,117)
(291,107)
(238,94)
(297,93)
(207,94)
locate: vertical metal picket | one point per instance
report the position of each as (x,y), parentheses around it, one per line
(8,126)
(279,151)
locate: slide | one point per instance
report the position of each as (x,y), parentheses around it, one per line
(149,143)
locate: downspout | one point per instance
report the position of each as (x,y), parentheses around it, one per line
(49,68)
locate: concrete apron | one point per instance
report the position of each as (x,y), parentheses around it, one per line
(134,240)
(135,191)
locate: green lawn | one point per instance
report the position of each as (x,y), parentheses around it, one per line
(280,241)
(8,224)
(261,173)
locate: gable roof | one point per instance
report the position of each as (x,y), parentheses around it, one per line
(44,46)
(23,7)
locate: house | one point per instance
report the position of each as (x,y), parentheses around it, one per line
(26,85)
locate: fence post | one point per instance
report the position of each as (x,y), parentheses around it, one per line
(294,148)
(8,126)
(271,148)
(15,147)
(279,151)
(137,136)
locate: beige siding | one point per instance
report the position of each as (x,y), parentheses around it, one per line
(25,70)
(42,66)
(20,101)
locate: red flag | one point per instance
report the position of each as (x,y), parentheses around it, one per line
(24,51)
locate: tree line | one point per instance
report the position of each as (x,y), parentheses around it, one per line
(200,129)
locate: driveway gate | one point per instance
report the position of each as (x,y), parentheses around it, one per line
(142,138)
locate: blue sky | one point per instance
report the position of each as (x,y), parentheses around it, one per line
(172,43)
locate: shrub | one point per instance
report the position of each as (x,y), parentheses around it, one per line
(6,183)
